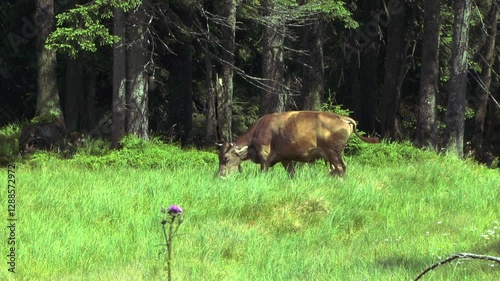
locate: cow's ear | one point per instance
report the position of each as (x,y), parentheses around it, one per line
(241,151)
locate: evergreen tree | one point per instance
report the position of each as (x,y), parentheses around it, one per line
(48,103)
(273,96)
(118,128)
(426,132)
(455,109)
(395,67)
(483,89)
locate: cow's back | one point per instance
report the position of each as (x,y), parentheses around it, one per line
(299,135)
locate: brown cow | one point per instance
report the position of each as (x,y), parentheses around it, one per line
(302,136)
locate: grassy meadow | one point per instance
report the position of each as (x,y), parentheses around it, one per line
(397,211)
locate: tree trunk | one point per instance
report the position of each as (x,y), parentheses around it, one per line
(211,121)
(369,88)
(225,95)
(74,95)
(355,86)
(314,75)
(186,79)
(90,98)
(137,90)
(426,133)
(395,67)
(369,73)
(455,109)
(272,98)
(482,90)
(493,112)
(118,126)
(48,94)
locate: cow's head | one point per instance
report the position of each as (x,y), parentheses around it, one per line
(230,157)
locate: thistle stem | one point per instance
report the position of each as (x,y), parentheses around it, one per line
(169,248)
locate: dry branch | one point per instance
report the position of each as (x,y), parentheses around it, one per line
(458,256)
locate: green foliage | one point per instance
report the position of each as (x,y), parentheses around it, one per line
(137,153)
(292,10)
(476,38)
(42,158)
(386,153)
(244,116)
(11,131)
(335,10)
(199,130)
(51,116)
(330,106)
(84,28)
(469,113)
(355,144)
(95,147)
(9,144)
(134,142)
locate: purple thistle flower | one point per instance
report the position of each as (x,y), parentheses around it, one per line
(175,210)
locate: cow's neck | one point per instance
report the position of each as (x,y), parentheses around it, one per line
(245,138)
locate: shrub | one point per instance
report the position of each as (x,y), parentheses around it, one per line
(386,153)
(330,106)
(152,154)
(9,144)
(50,117)
(96,147)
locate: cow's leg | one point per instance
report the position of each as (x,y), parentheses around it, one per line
(289,167)
(264,152)
(264,167)
(342,164)
(331,162)
(337,164)
(264,163)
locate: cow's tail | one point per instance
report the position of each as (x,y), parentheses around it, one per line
(363,138)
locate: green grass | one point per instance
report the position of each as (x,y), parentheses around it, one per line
(396,212)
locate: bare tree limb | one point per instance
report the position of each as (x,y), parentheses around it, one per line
(458,256)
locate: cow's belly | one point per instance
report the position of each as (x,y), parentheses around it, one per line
(301,155)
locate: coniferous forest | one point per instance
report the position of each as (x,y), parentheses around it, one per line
(197,72)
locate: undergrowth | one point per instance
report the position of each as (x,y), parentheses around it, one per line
(153,154)
(134,153)
(9,144)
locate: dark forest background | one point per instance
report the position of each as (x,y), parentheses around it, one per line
(196,72)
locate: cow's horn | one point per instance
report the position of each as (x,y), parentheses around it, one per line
(219,143)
